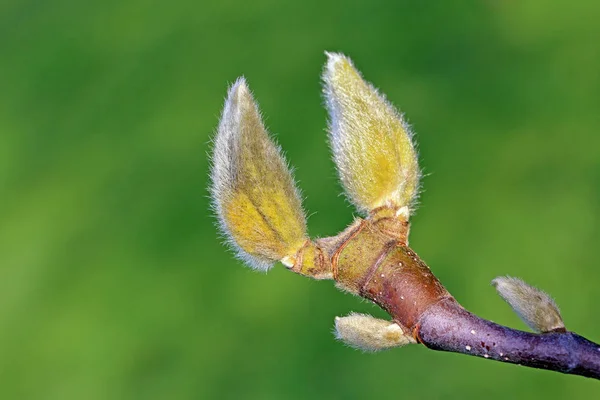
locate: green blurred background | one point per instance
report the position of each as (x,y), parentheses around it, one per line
(113,282)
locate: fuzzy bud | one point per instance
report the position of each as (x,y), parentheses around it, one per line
(370,334)
(535,307)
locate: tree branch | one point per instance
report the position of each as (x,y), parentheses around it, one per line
(259,211)
(381,268)
(447,326)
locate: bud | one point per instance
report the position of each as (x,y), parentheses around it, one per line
(370,334)
(371,142)
(535,307)
(253,192)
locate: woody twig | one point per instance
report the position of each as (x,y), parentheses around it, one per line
(259,211)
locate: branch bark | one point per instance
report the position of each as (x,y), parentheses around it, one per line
(447,326)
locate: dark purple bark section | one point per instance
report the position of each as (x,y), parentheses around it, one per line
(447,326)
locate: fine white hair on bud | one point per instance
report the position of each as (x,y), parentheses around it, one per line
(370,140)
(253,193)
(370,334)
(535,307)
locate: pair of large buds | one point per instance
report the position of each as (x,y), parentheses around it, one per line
(254,195)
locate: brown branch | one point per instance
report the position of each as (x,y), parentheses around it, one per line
(378,265)
(447,326)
